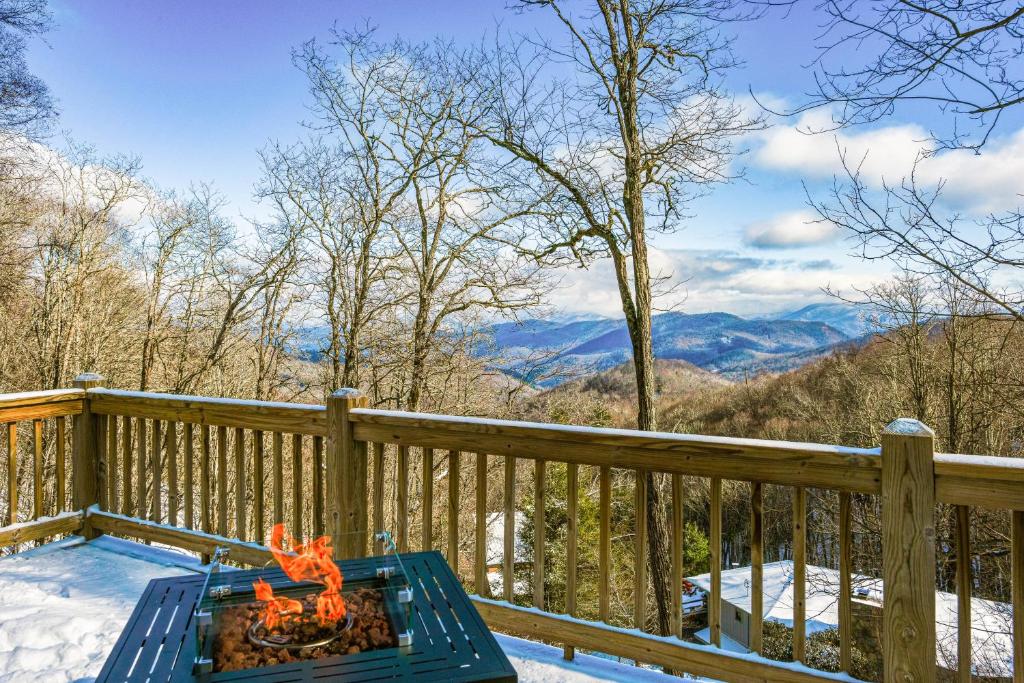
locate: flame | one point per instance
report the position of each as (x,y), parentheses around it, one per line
(312,562)
(275,608)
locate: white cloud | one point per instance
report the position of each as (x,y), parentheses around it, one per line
(714,280)
(974,182)
(790,230)
(885,152)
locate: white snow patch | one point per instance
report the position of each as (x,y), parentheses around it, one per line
(540,663)
(39,395)
(64,604)
(991,621)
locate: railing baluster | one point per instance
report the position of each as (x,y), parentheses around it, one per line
(640,552)
(378,492)
(1017,590)
(963,593)
(572,492)
(37,469)
(756,567)
(156,509)
(222,480)
(453,510)
(12,473)
(240,530)
(427,525)
(172,472)
(102,466)
(539,532)
(141,458)
(715,560)
(112,464)
(297,485)
(799,574)
(278,474)
(61,493)
(189,507)
(509,532)
(845,582)
(677,555)
(204,478)
(604,543)
(402,499)
(127,466)
(318,486)
(258,516)
(480,556)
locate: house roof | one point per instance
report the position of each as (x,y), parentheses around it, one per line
(991,630)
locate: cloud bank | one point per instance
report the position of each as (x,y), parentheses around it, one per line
(713,280)
(978,183)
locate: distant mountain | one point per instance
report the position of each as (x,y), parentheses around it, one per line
(847,318)
(673,378)
(545,352)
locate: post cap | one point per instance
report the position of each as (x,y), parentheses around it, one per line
(908,426)
(90,379)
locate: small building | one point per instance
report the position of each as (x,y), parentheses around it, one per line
(991,622)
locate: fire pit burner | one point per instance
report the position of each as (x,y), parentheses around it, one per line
(449,639)
(283,642)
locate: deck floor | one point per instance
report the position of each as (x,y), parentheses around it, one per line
(63,605)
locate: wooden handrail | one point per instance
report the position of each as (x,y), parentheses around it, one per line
(994,482)
(269,416)
(38,405)
(805,464)
(985,481)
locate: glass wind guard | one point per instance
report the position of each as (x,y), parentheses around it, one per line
(235,627)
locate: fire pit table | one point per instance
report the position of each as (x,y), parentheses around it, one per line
(408,617)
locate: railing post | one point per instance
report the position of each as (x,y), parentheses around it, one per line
(908,552)
(85,453)
(346,477)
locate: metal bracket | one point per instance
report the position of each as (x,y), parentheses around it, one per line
(220,592)
(405,639)
(219,555)
(405,595)
(385,572)
(202,667)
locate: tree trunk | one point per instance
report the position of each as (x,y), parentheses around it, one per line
(639,326)
(657,546)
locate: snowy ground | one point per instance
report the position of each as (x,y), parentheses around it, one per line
(63,605)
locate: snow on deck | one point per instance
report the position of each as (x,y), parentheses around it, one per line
(63,605)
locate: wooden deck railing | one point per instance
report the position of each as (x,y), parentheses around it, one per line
(196,472)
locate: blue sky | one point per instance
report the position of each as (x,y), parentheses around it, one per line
(196,88)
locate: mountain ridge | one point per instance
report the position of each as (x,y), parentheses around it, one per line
(719,342)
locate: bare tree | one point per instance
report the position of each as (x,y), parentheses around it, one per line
(910,224)
(399,199)
(640,127)
(342,188)
(75,253)
(279,312)
(25,104)
(461,217)
(963,57)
